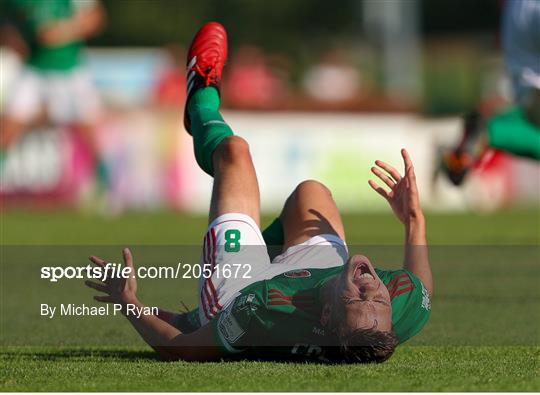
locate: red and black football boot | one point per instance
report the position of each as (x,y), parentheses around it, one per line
(457,163)
(206,57)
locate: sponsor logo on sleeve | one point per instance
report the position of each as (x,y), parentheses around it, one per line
(228,326)
(244,302)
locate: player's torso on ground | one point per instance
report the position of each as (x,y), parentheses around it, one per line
(280,317)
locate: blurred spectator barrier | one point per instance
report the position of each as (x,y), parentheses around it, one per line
(151,162)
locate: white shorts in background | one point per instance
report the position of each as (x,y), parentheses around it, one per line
(235,256)
(67,97)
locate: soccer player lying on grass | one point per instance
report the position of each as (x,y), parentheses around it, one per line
(310,302)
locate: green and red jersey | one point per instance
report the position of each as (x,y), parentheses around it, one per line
(280,317)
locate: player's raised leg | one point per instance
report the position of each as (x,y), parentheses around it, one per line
(218,152)
(233,240)
(235,183)
(310,211)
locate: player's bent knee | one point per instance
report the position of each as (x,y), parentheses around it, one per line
(311,187)
(234,149)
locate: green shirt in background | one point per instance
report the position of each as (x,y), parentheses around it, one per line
(28,16)
(279,317)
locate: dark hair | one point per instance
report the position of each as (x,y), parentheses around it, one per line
(367,345)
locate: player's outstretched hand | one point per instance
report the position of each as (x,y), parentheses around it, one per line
(117,289)
(403,195)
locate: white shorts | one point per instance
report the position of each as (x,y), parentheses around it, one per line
(235,256)
(67,97)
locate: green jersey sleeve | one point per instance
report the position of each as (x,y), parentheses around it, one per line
(411,305)
(268,329)
(239,323)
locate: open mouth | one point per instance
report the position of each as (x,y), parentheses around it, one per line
(362,271)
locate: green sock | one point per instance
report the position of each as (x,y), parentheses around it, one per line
(207,126)
(512,132)
(273,237)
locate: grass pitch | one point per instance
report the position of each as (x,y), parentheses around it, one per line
(483,334)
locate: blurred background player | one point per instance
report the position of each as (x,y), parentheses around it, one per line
(515,129)
(49,36)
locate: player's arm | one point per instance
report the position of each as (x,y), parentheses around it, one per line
(171,344)
(167,340)
(405,202)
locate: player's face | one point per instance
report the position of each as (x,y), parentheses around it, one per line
(363,299)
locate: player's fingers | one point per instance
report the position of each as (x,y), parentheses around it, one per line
(411,178)
(389,169)
(128,258)
(97,260)
(104,299)
(96,286)
(380,190)
(383,177)
(406,159)
(410,173)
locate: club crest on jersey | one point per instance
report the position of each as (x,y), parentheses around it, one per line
(298,273)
